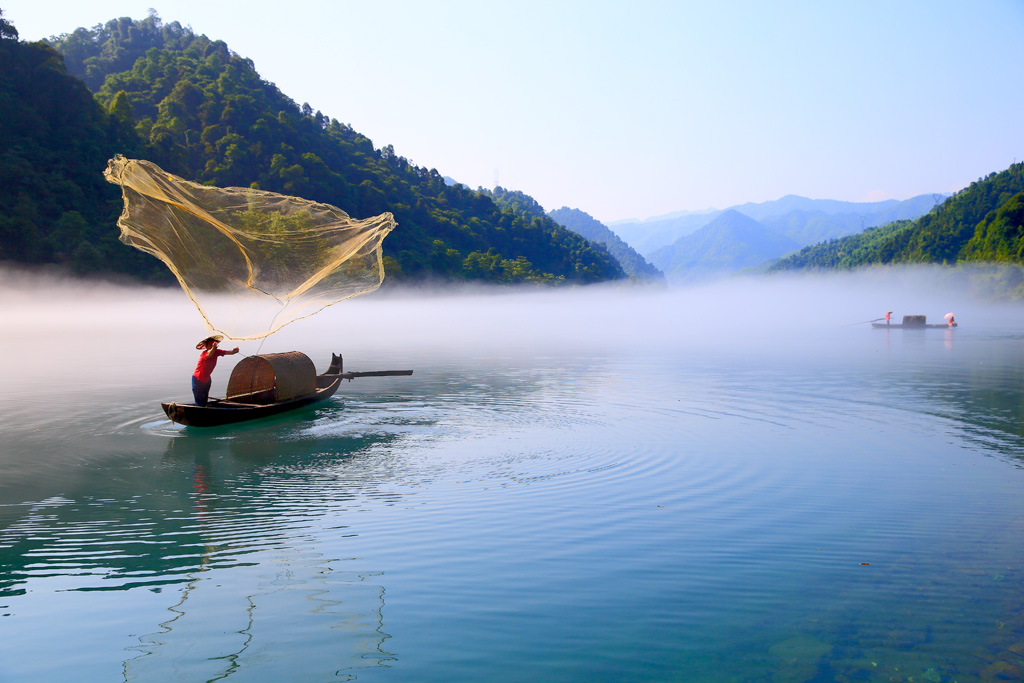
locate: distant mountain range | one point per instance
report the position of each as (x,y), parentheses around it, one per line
(648,235)
(692,246)
(589,227)
(805,220)
(983,223)
(729,243)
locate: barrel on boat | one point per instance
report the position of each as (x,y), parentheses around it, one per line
(271,378)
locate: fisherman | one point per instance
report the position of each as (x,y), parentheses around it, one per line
(201,379)
(952,322)
(887,317)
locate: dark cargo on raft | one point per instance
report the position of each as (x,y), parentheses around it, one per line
(261,386)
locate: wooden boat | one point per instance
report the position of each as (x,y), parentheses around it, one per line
(914,322)
(897,326)
(261,386)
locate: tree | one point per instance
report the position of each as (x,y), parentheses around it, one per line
(7,30)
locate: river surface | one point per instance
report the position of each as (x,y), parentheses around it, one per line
(567,489)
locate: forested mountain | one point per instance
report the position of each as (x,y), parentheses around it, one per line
(202,112)
(120,42)
(531,211)
(803,220)
(583,223)
(729,243)
(55,140)
(979,223)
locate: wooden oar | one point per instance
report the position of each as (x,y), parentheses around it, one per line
(374,373)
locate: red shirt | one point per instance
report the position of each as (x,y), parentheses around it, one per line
(206,365)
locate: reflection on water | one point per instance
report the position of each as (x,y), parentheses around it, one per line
(224,532)
(836,507)
(213,635)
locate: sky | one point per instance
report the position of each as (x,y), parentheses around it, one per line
(636,109)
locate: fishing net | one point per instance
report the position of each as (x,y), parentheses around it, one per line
(251,261)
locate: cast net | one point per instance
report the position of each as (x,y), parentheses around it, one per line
(251,261)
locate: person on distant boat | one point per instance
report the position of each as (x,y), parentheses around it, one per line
(887,317)
(201,378)
(952,322)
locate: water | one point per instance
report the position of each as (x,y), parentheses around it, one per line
(573,487)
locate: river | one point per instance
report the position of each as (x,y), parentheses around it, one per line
(740,482)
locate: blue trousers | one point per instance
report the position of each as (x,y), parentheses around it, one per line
(201,391)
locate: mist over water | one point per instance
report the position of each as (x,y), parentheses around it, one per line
(507,318)
(740,481)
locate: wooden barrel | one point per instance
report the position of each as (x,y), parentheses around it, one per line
(272,377)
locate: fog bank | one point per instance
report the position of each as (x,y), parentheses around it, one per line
(71,317)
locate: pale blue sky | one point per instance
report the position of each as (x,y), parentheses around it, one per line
(634,109)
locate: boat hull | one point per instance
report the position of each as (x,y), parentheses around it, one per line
(222,412)
(897,326)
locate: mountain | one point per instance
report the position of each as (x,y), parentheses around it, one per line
(649,235)
(55,140)
(783,225)
(198,110)
(811,226)
(729,243)
(827,219)
(804,220)
(584,224)
(885,211)
(978,223)
(660,217)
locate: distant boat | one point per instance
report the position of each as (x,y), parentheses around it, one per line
(914,322)
(261,386)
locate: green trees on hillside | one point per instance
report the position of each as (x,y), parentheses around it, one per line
(940,237)
(531,215)
(1000,235)
(7,30)
(55,140)
(202,112)
(91,54)
(632,263)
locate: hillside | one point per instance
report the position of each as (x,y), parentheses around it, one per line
(729,243)
(189,104)
(58,208)
(584,224)
(999,237)
(976,224)
(942,236)
(531,211)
